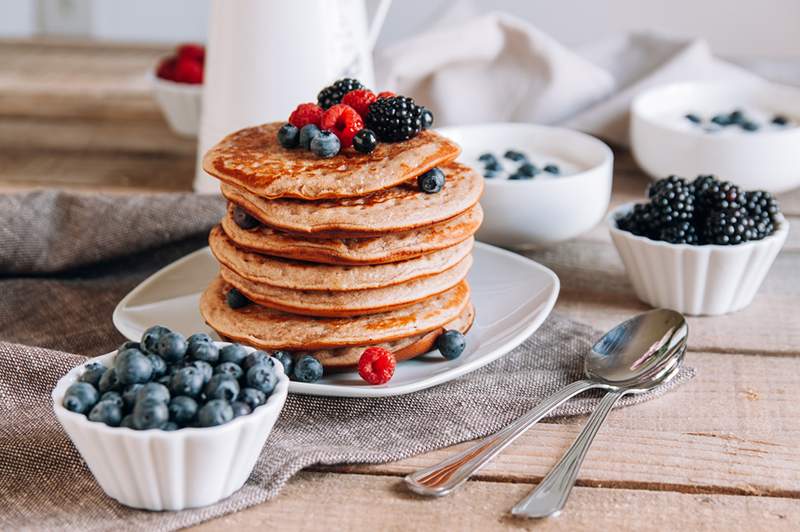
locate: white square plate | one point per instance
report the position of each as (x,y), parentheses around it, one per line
(512,297)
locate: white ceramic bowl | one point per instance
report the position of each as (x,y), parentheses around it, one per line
(697,280)
(181,103)
(542,210)
(158,470)
(761,160)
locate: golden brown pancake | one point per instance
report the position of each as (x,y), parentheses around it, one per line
(400,208)
(301,275)
(342,304)
(392,247)
(253,159)
(267,328)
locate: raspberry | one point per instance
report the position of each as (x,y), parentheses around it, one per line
(376,365)
(359,100)
(386,94)
(306,113)
(195,52)
(344,122)
(188,71)
(166,69)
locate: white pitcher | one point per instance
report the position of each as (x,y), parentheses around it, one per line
(267,56)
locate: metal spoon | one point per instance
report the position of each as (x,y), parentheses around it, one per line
(643,345)
(551,494)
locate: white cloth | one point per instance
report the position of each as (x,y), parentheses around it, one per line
(497,67)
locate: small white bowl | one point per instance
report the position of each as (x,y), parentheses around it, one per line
(541,210)
(159,470)
(697,280)
(181,103)
(664,143)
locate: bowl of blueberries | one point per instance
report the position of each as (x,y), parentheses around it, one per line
(171,422)
(747,132)
(701,246)
(543,184)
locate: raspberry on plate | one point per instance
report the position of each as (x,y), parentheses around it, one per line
(188,71)
(304,114)
(166,69)
(376,365)
(195,52)
(360,99)
(344,122)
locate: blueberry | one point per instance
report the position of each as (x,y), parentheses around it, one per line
(153,390)
(92,373)
(151,336)
(431,181)
(325,145)
(159,366)
(552,169)
(451,344)
(150,414)
(224,386)
(108,412)
(243,219)
(233,353)
(365,141)
(254,398)
(169,426)
(426,117)
(108,381)
(172,346)
(182,409)
(261,377)
(307,369)
(164,379)
(207,352)
(255,358)
(749,126)
(721,120)
(127,422)
(517,177)
(487,158)
(114,397)
(240,409)
(126,353)
(489,174)
(236,299)
(780,120)
(308,133)
(289,136)
(527,169)
(691,117)
(130,345)
(202,338)
(214,412)
(229,368)
(129,395)
(514,155)
(736,117)
(206,369)
(186,381)
(80,397)
(493,166)
(286,361)
(133,368)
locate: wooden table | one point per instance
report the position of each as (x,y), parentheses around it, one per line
(720,453)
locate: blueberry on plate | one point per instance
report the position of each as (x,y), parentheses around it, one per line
(223,386)
(129,395)
(150,414)
(205,351)
(518,176)
(244,219)
(107,412)
(721,120)
(779,120)
(749,126)
(426,117)
(307,134)
(206,369)
(80,397)
(528,169)
(493,166)
(289,136)
(172,346)
(114,397)
(159,366)
(186,381)
(254,398)
(451,344)
(365,141)
(236,299)
(133,368)
(130,345)
(169,426)
(150,338)
(215,412)
(153,390)
(552,169)
(514,155)
(325,145)
(693,118)
(240,408)
(92,373)
(286,361)
(127,422)
(307,369)
(233,353)
(488,174)
(487,157)
(108,382)
(255,358)
(182,410)
(261,377)
(229,368)
(736,117)
(431,181)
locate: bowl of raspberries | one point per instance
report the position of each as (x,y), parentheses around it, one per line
(171,422)
(702,246)
(178,88)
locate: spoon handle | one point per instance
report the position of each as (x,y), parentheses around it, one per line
(450,473)
(552,493)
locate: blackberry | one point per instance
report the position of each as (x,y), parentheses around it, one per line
(395,119)
(673,201)
(657,186)
(640,221)
(763,209)
(729,227)
(333,94)
(680,233)
(713,195)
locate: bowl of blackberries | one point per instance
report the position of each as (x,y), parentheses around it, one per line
(171,422)
(702,246)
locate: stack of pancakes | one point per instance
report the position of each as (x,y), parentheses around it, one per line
(348,252)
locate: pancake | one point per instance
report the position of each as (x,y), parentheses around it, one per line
(341,304)
(400,208)
(253,159)
(267,328)
(392,247)
(346,358)
(301,275)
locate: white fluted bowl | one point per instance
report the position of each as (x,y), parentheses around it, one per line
(181,104)
(696,280)
(159,470)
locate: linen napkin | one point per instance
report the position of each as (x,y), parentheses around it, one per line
(66,260)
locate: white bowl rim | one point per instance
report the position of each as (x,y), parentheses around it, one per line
(274,402)
(781,231)
(608,153)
